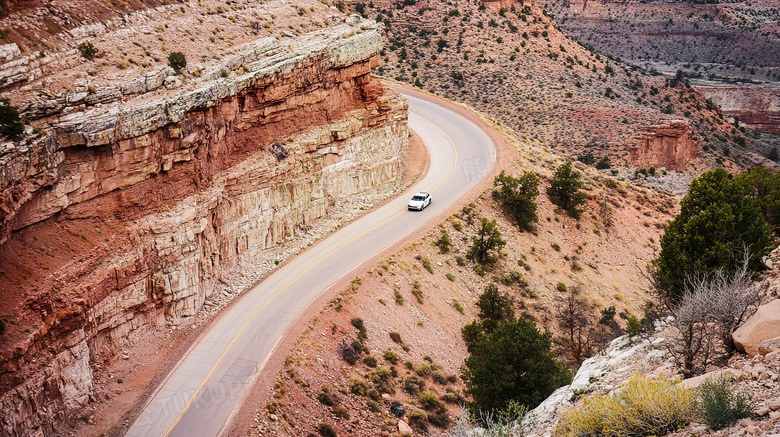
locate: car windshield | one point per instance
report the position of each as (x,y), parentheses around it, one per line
(418,198)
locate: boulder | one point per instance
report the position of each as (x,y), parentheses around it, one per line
(695,382)
(764,325)
(768,346)
(404,428)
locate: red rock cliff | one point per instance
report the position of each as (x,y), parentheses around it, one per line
(668,145)
(755,105)
(126,214)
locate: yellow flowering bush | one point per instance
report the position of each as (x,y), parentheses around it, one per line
(643,407)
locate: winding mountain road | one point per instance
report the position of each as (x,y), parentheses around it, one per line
(204,390)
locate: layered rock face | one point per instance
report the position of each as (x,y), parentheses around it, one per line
(125,216)
(756,106)
(668,145)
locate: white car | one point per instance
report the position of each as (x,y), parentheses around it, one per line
(419,201)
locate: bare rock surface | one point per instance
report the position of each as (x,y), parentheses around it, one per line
(764,325)
(142,200)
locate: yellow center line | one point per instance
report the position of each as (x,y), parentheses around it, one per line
(251,318)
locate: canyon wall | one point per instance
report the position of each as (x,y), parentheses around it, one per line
(756,106)
(124,214)
(668,145)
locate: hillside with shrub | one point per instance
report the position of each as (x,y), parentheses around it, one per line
(516,65)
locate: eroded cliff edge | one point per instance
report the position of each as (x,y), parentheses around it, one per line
(126,213)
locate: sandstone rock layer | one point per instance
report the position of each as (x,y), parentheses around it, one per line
(126,214)
(669,145)
(756,106)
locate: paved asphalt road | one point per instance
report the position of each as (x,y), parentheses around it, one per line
(207,386)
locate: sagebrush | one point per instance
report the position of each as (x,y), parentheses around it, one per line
(644,407)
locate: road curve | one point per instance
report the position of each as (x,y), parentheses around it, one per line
(207,386)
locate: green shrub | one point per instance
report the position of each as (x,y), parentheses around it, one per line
(717,217)
(392,356)
(633,326)
(424,369)
(357,322)
(396,337)
(177,61)
(418,294)
(450,398)
(341,411)
(443,242)
(370,361)
(399,298)
(327,398)
(561,287)
(487,244)
(644,407)
(439,377)
(10,123)
(87,50)
(382,378)
(517,196)
(326,430)
(564,190)
(513,362)
(720,403)
(427,264)
(413,385)
(429,400)
(418,420)
(458,306)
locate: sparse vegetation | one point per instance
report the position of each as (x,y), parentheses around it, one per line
(177,61)
(711,309)
(392,357)
(564,190)
(443,243)
(721,403)
(326,430)
(487,244)
(517,197)
(87,50)
(643,407)
(11,124)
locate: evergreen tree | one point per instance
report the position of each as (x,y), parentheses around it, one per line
(564,190)
(763,186)
(494,305)
(513,362)
(487,241)
(177,61)
(517,197)
(718,221)
(494,308)
(10,123)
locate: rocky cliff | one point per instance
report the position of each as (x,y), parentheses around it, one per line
(126,209)
(667,145)
(756,106)
(735,39)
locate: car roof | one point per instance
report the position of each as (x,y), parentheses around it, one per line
(421,193)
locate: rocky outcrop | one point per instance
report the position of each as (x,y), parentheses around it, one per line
(603,373)
(758,106)
(667,145)
(499,4)
(145,203)
(764,325)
